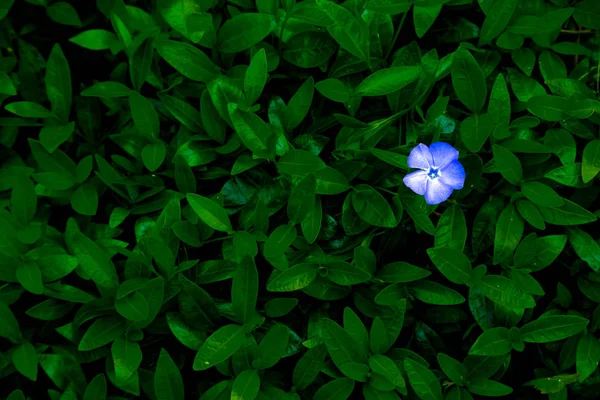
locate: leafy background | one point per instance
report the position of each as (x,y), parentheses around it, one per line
(204,199)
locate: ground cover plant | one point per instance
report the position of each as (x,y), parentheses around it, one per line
(366,199)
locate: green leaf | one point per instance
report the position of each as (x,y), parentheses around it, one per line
(308,367)
(552,328)
(505,292)
(486,387)
(257,135)
(422,380)
(590,163)
(210,212)
(272,347)
(280,240)
(351,33)
(127,357)
(177,12)
(388,80)
(52,136)
(183,112)
(256,77)
(133,307)
(299,163)
(299,105)
(188,60)
(153,155)
(586,247)
(221,345)
(541,194)
(508,164)
(337,389)
(453,369)
(311,225)
(434,293)
(94,261)
(468,80)
(372,207)
(294,278)
(168,383)
(548,108)
(346,274)
(424,17)
(509,230)
(334,90)
(145,117)
(107,89)
(309,49)
(96,389)
(452,229)
(496,20)
(9,329)
(246,385)
(568,214)
(28,109)
(23,200)
(63,13)
(243,31)
(30,277)
(476,129)
(500,103)
(453,264)
(97,39)
(58,83)
(586,13)
(244,290)
(85,200)
(279,307)
(401,272)
(395,159)
(102,332)
(25,360)
(492,342)
(5,7)
(302,200)
(188,336)
(342,348)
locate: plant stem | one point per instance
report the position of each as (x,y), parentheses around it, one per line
(396,35)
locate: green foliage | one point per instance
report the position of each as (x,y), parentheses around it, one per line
(205,199)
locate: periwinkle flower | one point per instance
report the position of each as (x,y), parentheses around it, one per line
(440,172)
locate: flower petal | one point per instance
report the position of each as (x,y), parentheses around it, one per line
(417,181)
(443,154)
(420,157)
(437,192)
(453,175)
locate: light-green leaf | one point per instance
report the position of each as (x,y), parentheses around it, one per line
(168,384)
(453,264)
(219,347)
(188,60)
(552,328)
(213,214)
(468,80)
(422,380)
(58,83)
(388,80)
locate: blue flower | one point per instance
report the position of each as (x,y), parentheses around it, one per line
(440,172)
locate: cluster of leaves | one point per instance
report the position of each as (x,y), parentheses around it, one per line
(182,214)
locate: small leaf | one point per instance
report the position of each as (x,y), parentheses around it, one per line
(468,80)
(85,200)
